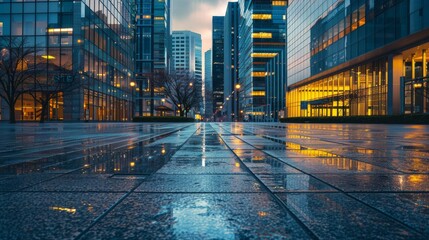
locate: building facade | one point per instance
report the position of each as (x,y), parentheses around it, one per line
(153,52)
(208,85)
(262,59)
(231,66)
(187,56)
(347,58)
(90,38)
(217,65)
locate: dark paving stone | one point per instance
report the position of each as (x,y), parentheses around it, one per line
(270,166)
(410,208)
(88,182)
(26,180)
(377,182)
(50,215)
(334,165)
(294,183)
(199,183)
(337,216)
(220,154)
(197,216)
(201,166)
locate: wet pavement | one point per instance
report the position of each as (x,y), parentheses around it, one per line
(213,181)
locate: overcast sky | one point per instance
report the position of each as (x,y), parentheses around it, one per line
(196,16)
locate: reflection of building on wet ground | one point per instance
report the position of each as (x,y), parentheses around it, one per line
(347,59)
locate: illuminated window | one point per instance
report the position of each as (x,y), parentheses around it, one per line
(159,18)
(146,16)
(258,93)
(262,16)
(262,35)
(259,74)
(279,3)
(60,30)
(263,55)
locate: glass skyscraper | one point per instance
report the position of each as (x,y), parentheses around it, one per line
(346,58)
(153,52)
(217,64)
(91,38)
(262,58)
(231,61)
(187,56)
(208,85)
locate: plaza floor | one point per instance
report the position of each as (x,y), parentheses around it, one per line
(213,181)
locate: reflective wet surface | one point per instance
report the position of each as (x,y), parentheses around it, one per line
(213,181)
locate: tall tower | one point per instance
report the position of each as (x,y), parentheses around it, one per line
(208,84)
(262,58)
(217,64)
(231,66)
(153,51)
(187,56)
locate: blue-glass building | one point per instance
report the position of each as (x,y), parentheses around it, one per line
(92,38)
(231,66)
(347,57)
(262,58)
(217,64)
(208,85)
(153,52)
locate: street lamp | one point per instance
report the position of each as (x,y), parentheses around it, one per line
(237,95)
(132,85)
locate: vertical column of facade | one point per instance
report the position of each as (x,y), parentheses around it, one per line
(393,84)
(425,83)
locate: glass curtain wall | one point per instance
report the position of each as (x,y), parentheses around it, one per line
(90,40)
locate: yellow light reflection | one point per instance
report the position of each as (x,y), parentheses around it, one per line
(63,209)
(132,164)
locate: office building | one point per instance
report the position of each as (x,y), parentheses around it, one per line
(347,58)
(231,66)
(153,52)
(262,58)
(187,57)
(89,39)
(217,65)
(208,85)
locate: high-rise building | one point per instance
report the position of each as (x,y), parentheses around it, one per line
(217,64)
(231,66)
(187,56)
(89,39)
(153,51)
(208,85)
(262,59)
(346,58)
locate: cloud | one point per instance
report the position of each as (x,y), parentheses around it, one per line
(196,16)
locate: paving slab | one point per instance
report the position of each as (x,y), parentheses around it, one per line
(197,216)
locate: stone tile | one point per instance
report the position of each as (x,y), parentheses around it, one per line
(294,183)
(197,216)
(377,182)
(334,165)
(409,208)
(18,182)
(220,154)
(337,216)
(88,182)
(232,183)
(201,166)
(50,215)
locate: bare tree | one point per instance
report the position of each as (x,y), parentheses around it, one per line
(15,72)
(60,79)
(180,88)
